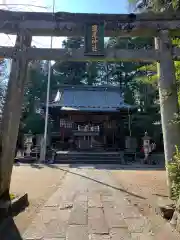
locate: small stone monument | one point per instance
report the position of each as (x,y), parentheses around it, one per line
(28,143)
(131,146)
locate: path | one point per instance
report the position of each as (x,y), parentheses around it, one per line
(90,205)
(40,182)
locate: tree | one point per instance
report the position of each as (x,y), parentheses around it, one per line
(35,95)
(155,5)
(129,76)
(75,73)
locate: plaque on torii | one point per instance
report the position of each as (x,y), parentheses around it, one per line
(94,39)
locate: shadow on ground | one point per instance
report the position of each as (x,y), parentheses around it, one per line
(134,166)
(110,166)
(9,230)
(103,183)
(101,167)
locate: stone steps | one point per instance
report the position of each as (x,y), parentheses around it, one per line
(97,146)
(88,157)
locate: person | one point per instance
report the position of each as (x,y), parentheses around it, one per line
(146,150)
(153,148)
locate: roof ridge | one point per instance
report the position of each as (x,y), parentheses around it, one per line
(89,88)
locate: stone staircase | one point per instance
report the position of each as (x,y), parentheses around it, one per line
(97,146)
(89,157)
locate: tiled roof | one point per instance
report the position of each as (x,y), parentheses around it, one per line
(79,98)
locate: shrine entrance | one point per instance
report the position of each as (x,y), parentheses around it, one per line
(94,27)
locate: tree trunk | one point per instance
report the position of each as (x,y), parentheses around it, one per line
(12,113)
(168,98)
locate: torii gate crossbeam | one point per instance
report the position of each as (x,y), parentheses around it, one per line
(72,24)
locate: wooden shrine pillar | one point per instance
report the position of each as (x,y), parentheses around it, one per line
(12,110)
(167,95)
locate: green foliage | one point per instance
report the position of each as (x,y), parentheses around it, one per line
(75,73)
(34,122)
(156,5)
(138,89)
(174,174)
(12,196)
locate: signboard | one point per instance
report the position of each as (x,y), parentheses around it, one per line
(94,39)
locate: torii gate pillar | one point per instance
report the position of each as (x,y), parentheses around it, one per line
(12,112)
(168,96)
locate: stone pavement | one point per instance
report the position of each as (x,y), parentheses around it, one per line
(90,205)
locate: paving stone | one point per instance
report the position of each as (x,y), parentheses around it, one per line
(141,236)
(120,234)
(67,196)
(54,201)
(35,231)
(99,237)
(137,225)
(49,223)
(77,232)
(94,200)
(105,192)
(79,214)
(96,221)
(114,220)
(107,198)
(129,211)
(55,229)
(81,198)
(61,215)
(108,204)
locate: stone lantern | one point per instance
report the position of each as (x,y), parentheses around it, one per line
(146,146)
(146,140)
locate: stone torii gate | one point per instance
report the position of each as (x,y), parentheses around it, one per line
(28,24)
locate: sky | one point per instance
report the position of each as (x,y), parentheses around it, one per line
(80,6)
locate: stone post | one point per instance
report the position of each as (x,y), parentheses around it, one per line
(168,97)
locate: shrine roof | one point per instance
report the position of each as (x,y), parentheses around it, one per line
(88,98)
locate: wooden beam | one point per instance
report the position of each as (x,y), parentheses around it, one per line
(111,55)
(72,24)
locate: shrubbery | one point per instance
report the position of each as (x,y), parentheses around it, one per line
(174,175)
